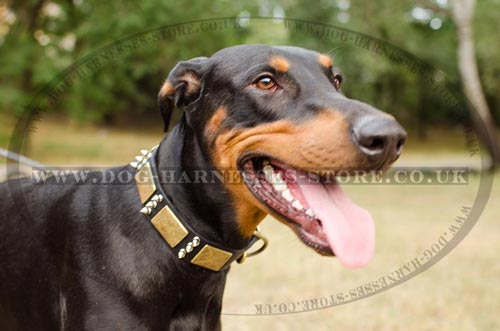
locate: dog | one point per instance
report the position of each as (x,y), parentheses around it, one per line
(152,255)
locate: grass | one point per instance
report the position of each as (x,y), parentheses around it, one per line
(459,293)
(60,142)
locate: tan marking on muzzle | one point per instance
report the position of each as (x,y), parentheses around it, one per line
(322,142)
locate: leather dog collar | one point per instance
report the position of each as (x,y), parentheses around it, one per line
(188,245)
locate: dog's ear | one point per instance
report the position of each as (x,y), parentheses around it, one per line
(184,85)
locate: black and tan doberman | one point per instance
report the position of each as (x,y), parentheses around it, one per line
(153,253)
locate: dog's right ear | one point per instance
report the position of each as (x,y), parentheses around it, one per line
(183,86)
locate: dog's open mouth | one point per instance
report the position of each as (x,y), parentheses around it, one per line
(316,209)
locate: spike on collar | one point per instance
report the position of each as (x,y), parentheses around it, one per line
(188,245)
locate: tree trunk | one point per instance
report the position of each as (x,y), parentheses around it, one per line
(462,15)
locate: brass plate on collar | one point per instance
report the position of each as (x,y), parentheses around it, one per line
(145,183)
(169,226)
(211,258)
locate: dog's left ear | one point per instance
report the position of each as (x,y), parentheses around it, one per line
(184,85)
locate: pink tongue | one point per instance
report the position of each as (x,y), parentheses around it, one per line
(349,228)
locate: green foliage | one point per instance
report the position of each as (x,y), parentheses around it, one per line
(48,36)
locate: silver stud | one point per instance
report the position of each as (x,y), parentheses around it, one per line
(157,198)
(189,247)
(144,152)
(134,164)
(146,210)
(139,158)
(152,204)
(196,241)
(182,253)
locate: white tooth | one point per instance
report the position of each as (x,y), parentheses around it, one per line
(278,179)
(287,195)
(297,205)
(274,179)
(269,172)
(310,212)
(278,182)
(268,169)
(280,186)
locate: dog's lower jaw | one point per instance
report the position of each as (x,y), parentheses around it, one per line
(248,216)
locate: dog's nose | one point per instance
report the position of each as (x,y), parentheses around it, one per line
(379,137)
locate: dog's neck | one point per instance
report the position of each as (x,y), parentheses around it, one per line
(204,206)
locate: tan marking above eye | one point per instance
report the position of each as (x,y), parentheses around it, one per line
(325,61)
(279,63)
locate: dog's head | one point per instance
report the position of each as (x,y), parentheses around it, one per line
(277,115)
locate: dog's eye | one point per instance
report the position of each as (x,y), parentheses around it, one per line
(266,83)
(337,80)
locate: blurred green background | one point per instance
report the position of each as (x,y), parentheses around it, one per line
(110,113)
(40,38)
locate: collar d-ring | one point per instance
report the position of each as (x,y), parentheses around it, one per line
(260,237)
